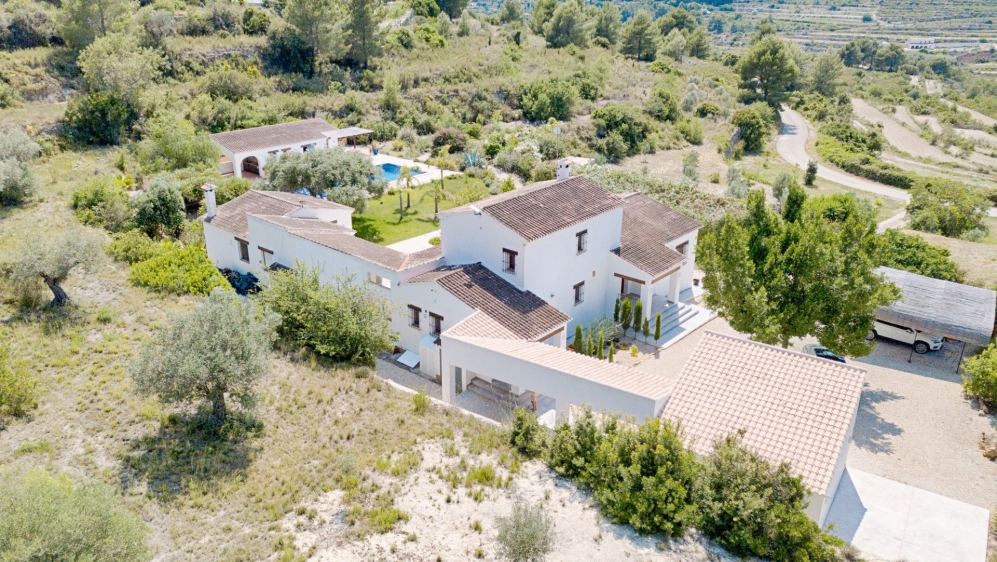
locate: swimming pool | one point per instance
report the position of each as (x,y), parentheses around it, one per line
(390,172)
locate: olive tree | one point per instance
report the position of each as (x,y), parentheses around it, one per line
(52,259)
(220,348)
(345,177)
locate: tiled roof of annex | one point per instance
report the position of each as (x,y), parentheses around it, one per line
(546,207)
(369,251)
(792,407)
(510,312)
(647,227)
(270,136)
(231,216)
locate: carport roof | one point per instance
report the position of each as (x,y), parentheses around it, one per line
(941,308)
(790,407)
(271,136)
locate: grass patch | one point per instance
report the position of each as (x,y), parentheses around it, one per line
(383,223)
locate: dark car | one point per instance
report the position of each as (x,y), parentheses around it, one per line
(822,352)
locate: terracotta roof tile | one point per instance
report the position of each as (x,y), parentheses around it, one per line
(369,251)
(231,216)
(270,136)
(793,408)
(647,227)
(520,313)
(544,208)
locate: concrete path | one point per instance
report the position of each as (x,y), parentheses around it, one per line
(416,244)
(899,220)
(888,520)
(792,146)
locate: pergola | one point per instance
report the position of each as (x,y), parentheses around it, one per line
(941,308)
(349,133)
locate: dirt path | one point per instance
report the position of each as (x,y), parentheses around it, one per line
(898,136)
(792,146)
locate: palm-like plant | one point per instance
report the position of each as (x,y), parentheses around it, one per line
(443,163)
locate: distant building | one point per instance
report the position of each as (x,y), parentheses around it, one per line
(920,43)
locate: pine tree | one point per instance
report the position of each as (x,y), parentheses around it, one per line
(579,339)
(611,346)
(626,316)
(657,327)
(616,311)
(602,346)
(638,315)
(646,330)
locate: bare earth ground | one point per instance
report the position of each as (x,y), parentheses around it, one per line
(977,260)
(441,517)
(898,136)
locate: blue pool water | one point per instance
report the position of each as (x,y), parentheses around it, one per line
(390,171)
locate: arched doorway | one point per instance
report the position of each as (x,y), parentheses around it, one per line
(251,166)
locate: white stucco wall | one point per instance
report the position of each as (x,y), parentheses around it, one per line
(223,249)
(553,267)
(686,273)
(342,217)
(470,238)
(264,153)
(430,297)
(566,389)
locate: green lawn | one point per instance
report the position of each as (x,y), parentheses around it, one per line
(381,222)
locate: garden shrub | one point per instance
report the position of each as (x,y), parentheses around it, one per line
(910,252)
(979,375)
(49,518)
(543,171)
(160,209)
(752,508)
(134,247)
(179,271)
(544,99)
(527,436)
(101,201)
(342,319)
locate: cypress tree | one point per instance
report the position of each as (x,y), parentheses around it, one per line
(638,316)
(589,346)
(626,315)
(616,311)
(646,330)
(579,343)
(657,327)
(602,346)
(611,346)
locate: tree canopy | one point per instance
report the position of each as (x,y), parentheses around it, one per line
(362,30)
(219,348)
(768,69)
(808,272)
(53,259)
(640,38)
(910,252)
(341,176)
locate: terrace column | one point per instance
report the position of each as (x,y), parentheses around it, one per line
(448,373)
(673,286)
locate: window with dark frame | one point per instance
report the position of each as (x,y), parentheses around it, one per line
(509,260)
(243,250)
(580,293)
(435,324)
(413,316)
(582,239)
(682,248)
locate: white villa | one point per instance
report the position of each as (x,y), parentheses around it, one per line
(245,152)
(498,300)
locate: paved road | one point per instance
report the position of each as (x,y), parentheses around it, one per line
(792,146)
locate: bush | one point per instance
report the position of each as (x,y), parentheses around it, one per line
(18,389)
(552,98)
(178,271)
(287,52)
(707,109)
(754,509)
(430,35)
(811,174)
(255,22)
(456,140)
(160,209)
(543,171)
(527,535)
(48,518)
(527,436)
(100,118)
(754,130)
(135,247)
(861,163)
(341,319)
(16,182)
(947,207)
(910,252)
(617,122)
(979,375)
(693,131)
(662,105)
(102,202)
(172,143)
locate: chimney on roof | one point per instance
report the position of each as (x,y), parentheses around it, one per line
(563,169)
(209,200)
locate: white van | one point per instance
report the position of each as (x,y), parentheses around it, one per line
(922,343)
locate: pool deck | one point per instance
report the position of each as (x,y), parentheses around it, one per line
(429,174)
